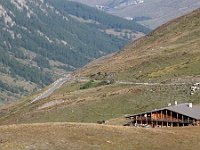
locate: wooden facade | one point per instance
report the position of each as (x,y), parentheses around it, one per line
(163,118)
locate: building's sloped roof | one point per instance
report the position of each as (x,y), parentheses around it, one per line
(193,112)
(184,109)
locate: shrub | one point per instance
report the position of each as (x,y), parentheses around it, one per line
(86,85)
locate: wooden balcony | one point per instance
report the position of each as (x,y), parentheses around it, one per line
(172,120)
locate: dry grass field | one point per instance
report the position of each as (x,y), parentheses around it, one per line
(75,136)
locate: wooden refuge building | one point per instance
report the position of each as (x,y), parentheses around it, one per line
(178,115)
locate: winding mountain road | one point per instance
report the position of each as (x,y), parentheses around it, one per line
(69,77)
(56,85)
(146,83)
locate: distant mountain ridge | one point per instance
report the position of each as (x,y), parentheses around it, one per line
(44,39)
(113,4)
(153,12)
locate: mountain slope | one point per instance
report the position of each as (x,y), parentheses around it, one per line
(151,13)
(149,73)
(170,51)
(42,40)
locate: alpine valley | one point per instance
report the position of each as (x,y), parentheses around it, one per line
(149,73)
(41,40)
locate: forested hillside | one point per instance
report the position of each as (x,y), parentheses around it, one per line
(42,40)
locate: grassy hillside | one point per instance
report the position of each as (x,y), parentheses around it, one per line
(73,136)
(166,62)
(171,51)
